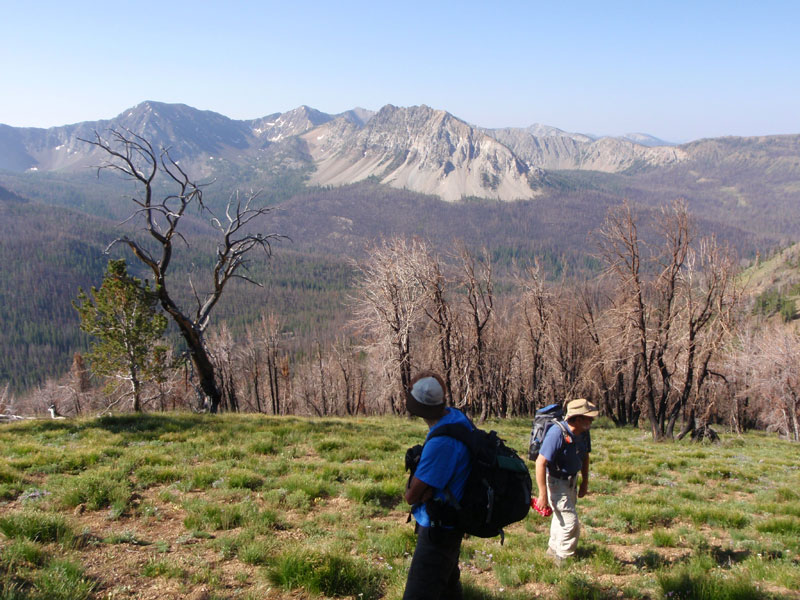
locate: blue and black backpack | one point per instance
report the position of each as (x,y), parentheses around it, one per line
(545,418)
(497,491)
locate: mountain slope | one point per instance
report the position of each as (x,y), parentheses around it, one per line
(552,149)
(420,149)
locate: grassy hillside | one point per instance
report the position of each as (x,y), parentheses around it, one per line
(774,284)
(242,506)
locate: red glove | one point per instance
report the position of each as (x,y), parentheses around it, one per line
(545,512)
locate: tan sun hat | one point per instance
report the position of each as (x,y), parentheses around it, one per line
(581,407)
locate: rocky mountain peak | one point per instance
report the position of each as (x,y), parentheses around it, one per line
(418,148)
(280,126)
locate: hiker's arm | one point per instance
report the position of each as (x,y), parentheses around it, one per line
(584,477)
(541,480)
(418,491)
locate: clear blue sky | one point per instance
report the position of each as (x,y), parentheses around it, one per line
(677,70)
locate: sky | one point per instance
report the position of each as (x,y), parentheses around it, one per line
(676,70)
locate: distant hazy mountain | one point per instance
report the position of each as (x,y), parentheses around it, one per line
(551,148)
(645,139)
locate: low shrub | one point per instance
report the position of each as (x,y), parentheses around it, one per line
(687,584)
(265,447)
(256,552)
(69,462)
(579,587)
(150,475)
(642,517)
(649,559)
(621,472)
(62,580)
(394,543)
(243,479)
(327,574)
(780,525)
(208,515)
(162,568)
(663,538)
(10,491)
(601,558)
(22,553)
(97,489)
(36,526)
(385,494)
(719,517)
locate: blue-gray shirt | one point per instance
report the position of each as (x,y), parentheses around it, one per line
(565,458)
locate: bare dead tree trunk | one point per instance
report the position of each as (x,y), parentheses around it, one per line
(620,247)
(441,314)
(480,301)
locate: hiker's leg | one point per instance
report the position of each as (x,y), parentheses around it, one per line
(434,573)
(452,590)
(564,528)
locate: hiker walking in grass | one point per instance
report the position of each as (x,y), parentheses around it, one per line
(564,453)
(443,468)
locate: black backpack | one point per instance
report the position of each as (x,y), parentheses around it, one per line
(542,421)
(497,491)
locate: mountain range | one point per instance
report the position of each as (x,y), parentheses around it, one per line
(416,148)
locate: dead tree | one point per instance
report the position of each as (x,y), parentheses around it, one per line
(535,310)
(479,288)
(620,247)
(271,331)
(771,374)
(708,299)
(678,303)
(612,366)
(389,307)
(134,158)
(440,313)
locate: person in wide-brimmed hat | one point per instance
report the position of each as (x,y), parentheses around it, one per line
(443,468)
(565,453)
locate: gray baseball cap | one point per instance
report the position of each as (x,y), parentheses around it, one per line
(426,398)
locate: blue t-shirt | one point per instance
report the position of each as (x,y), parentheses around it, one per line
(565,458)
(445,463)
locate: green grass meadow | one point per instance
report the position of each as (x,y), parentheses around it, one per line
(247,506)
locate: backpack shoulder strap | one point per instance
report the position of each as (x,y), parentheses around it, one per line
(565,432)
(459,432)
(462,433)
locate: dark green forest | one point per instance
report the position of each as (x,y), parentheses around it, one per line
(48,252)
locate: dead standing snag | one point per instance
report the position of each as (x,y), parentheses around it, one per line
(134,158)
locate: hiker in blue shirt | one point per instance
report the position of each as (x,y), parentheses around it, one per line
(565,453)
(443,468)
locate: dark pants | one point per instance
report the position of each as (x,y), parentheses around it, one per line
(434,573)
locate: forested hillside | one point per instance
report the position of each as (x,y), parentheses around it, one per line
(55,245)
(46,253)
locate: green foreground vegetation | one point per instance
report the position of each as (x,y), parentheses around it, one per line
(247,506)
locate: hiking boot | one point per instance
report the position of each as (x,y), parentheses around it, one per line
(558,560)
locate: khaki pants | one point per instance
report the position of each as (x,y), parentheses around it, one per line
(564,528)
